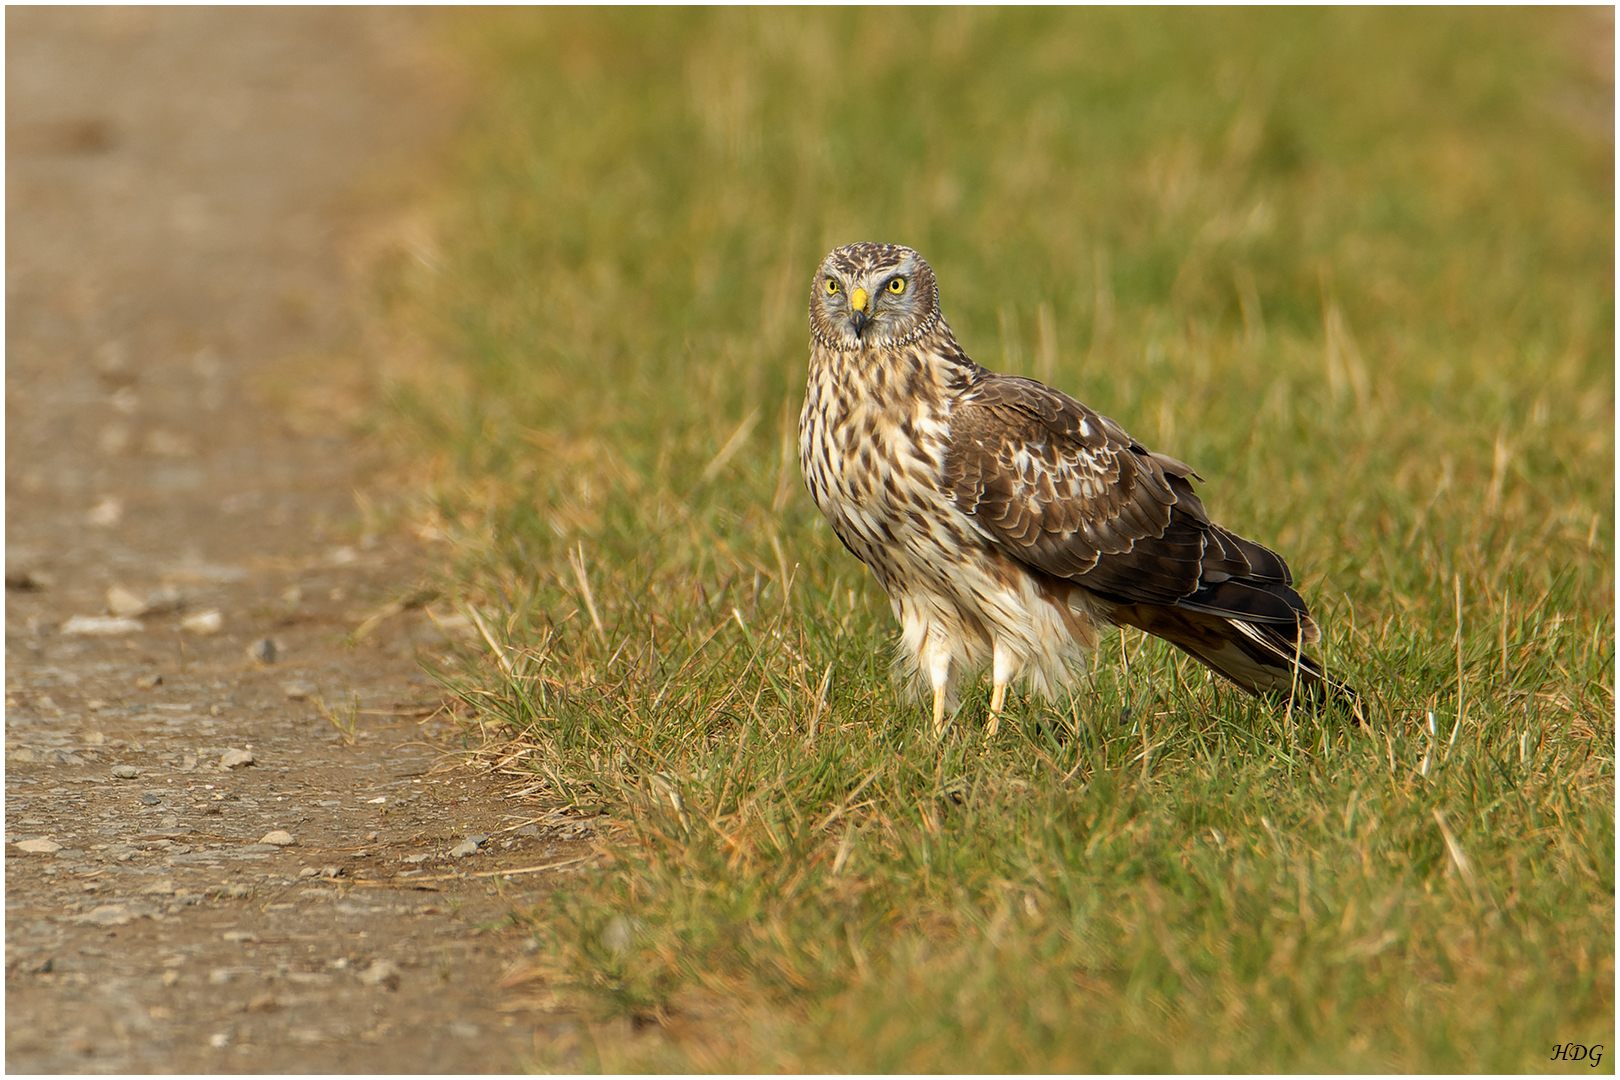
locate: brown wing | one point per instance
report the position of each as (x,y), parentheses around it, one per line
(1067,491)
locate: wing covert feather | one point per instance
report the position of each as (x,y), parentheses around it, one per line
(1066,491)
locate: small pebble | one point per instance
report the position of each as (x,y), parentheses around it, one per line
(125,772)
(123,603)
(235,759)
(41,846)
(151,800)
(203,622)
(167,598)
(115,914)
(467,847)
(100,626)
(112,364)
(278,837)
(262,651)
(147,682)
(106,512)
(28,580)
(381,973)
(298,691)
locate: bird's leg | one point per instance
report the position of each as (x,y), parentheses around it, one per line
(997,696)
(1005,667)
(939,673)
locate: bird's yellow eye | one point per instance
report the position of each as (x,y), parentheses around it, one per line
(897,285)
(832,286)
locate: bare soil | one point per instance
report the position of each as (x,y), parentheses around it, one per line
(182,187)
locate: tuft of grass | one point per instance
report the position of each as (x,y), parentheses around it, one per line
(345,721)
(1355,265)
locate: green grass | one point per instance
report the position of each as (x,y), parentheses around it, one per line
(1355,265)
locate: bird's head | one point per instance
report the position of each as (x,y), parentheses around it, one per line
(872,295)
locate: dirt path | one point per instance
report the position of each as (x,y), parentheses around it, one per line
(180,187)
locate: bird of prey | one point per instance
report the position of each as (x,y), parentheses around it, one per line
(1007,520)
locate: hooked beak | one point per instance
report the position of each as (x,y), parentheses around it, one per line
(860,310)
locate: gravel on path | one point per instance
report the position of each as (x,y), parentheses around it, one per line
(231,844)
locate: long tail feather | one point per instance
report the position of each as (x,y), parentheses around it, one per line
(1280,655)
(1256,657)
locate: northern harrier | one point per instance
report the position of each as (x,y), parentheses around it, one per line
(1005,519)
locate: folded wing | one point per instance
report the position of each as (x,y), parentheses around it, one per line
(1067,492)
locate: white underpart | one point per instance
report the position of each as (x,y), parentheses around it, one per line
(1028,637)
